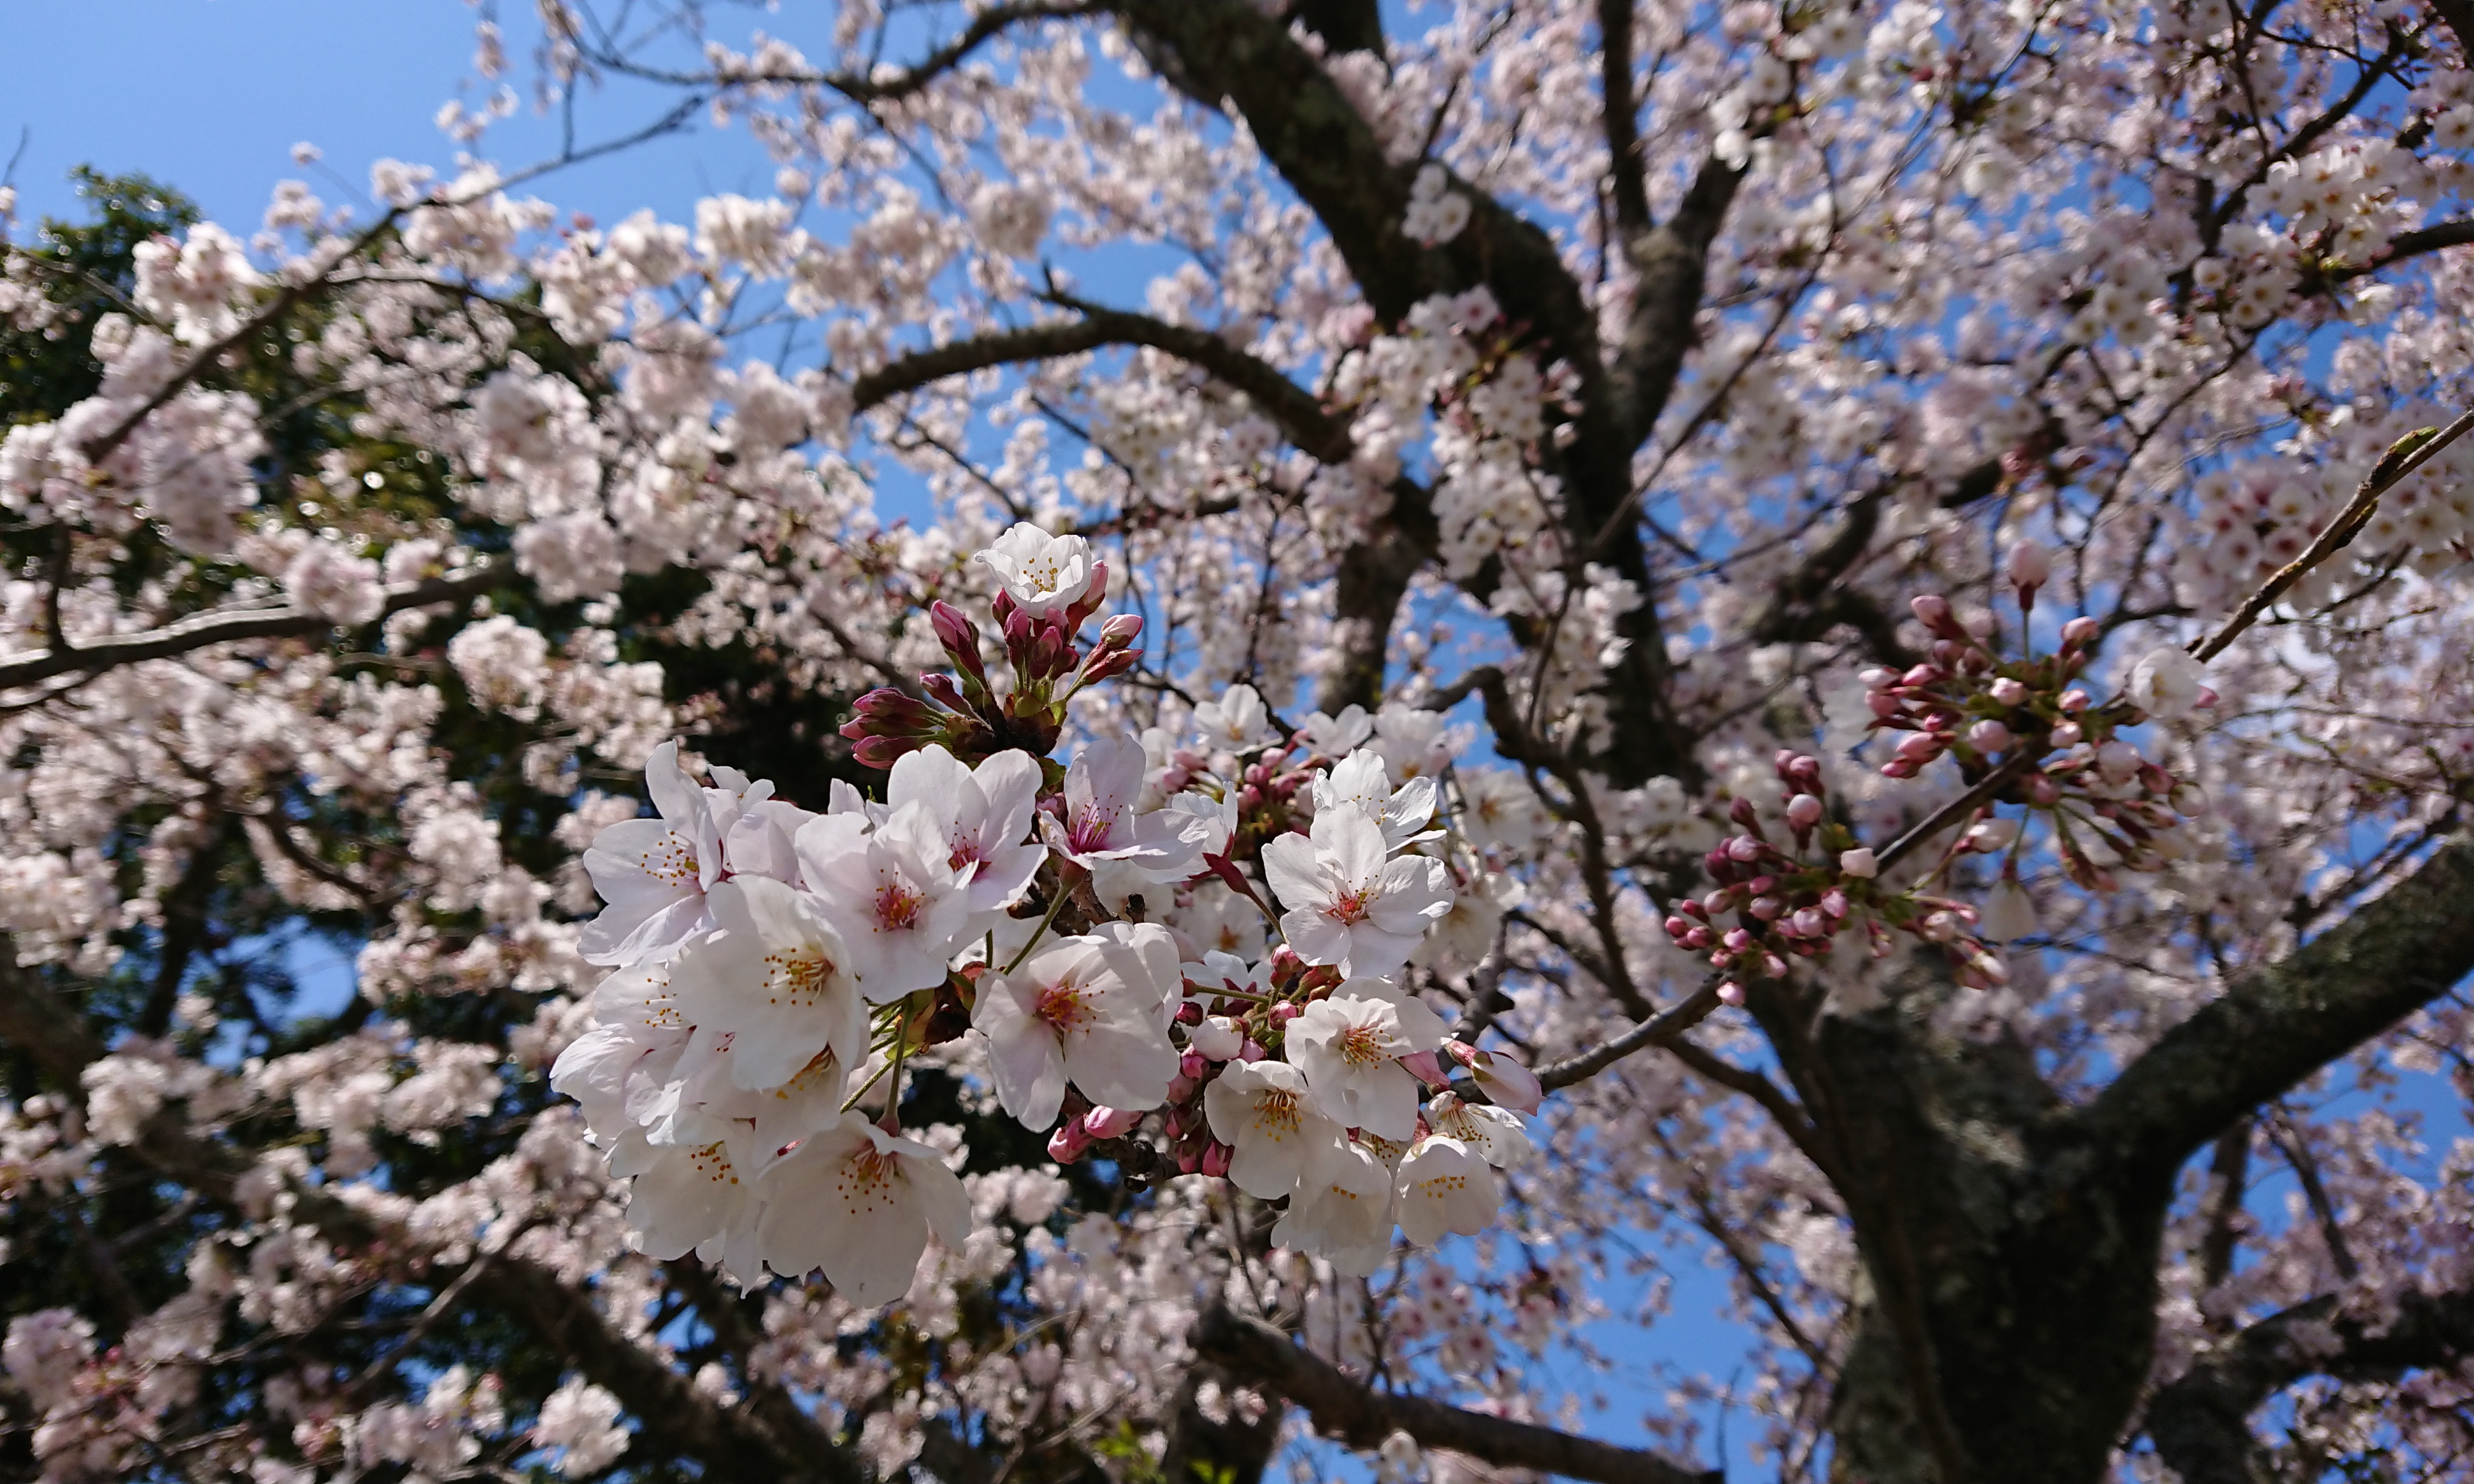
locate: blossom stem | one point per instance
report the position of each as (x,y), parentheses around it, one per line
(1055,903)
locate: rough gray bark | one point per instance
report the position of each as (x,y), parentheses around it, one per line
(2011,1239)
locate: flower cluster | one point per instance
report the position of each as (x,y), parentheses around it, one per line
(772,968)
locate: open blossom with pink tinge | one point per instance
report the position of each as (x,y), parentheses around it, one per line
(1264,1113)
(777,976)
(984,814)
(859,1203)
(1349,1050)
(1350,902)
(1102,785)
(653,874)
(898,903)
(1085,1011)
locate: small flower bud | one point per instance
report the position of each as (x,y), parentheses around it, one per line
(1858,863)
(1990,736)
(2031,567)
(1730,993)
(2068,735)
(1802,812)
(1215,1158)
(2007,691)
(2080,632)
(1104,1122)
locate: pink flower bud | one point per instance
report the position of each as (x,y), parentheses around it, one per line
(1678,926)
(1932,608)
(1899,768)
(2045,793)
(1068,1143)
(2076,699)
(1738,940)
(1121,629)
(1716,902)
(1251,1051)
(1921,747)
(1773,966)
(1811,922)
(1194,1064)
(1878,678)
(1834,901)
(1858,863)
(1105,1122)
(1804,811)
(2068,735)
(2007,691)
(2117,760)
(1506,1083)
(1697,939)
(1921,674)
(2030,565)
(1744,849)
(1215,1158)
(1766,908)
(2080,632)
(1730,993)
(1990,736)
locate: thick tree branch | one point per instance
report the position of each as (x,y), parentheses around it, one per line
(2285,1020)
(229,626)
(1300,417)
(2200,1422)
(1363,1417)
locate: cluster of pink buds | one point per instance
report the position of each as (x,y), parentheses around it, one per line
(1781,904)
(966,713)
(1968,701)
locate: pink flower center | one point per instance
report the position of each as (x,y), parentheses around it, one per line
(1351,907)
(966,852)
(1092,830)
(897,907)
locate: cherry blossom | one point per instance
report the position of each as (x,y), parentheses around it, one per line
(1349,1048)
(1263,1110)
(1087,1011)
(1350,903)
(859,1203)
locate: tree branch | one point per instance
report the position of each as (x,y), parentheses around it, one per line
(2285,1020)
(1363,1418)
(673,1414)
(227,626)
(2200,1422)
(1300,417)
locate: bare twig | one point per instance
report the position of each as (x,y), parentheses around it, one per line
(2403,458)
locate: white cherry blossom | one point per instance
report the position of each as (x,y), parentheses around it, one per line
(777,977)
(859,1203)
(1446,1187)
(1085,1011)
(1263,1111)
(1349,903)
(1342,1210)
(1349,1048)
(1043,573)
(890,892)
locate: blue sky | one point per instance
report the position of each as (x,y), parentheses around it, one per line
(211,96)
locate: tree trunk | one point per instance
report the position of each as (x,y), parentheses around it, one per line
(2010,1312)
